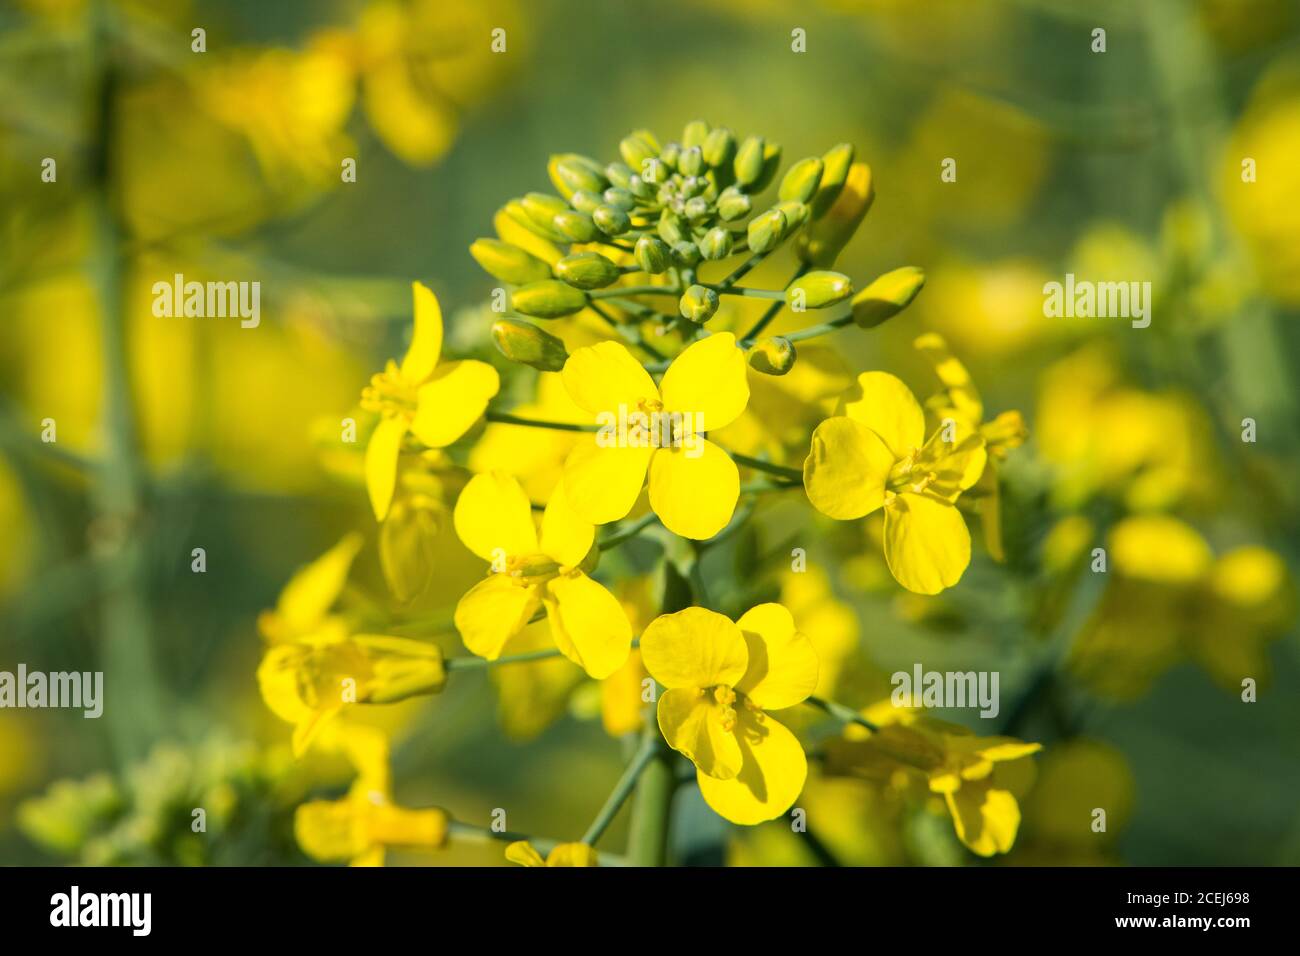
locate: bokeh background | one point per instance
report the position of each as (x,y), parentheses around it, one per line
(183,433)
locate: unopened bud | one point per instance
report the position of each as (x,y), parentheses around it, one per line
(821,243)
(888,295)
(766,231)
(652,255)
(716,243)
(820,289)
(801,180)
(771,356)
(587,270)
(571,172)
(526,343)
(507,262)
(548,299)
(698,304)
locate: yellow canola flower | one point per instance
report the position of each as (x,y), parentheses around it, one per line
(875,455)
(694,484)
(362,825)
(564,854)
(494,519)
(721,679)
(435,401)
(980,778)
(315,666)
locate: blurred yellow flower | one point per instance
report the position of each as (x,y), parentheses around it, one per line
(980,778)
(721,678)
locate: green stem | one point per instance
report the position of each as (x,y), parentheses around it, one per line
(482,663)
(815,330)
(742,270)
(622,790)
(631,531)
(136,719)
(614,292)
(747,292)
(652,808)
(772,311)
(841,713)
(504,418)
(758,464)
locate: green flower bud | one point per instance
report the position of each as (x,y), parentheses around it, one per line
(720,147)
(817,290)
(692,162)
(771,356)
(820,244)
(801,180)
(733,205)
(835,170)
(549,299)
(796,214)
(571,172)
(652,255)
(618,197)
(618,174)
(888,295)
(507,262)
(698,304)
(574,226)
(587,270)
(584,201)
(611,220)
(771,163)
(654,171)
(541,208)
(671,154)
(748,165)
(716,243)
(640,188)
(637,147)
(766,231)
(696,209)
(687,253)
(516,211)
(672,228)
(695,133)
(693,186)
(524,342)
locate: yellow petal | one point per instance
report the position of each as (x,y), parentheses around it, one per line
(510,231)
(492,612)
(694,497)
(601,377)
(494,519)
(771,776)
(956,465)
(452,400)
(313,589)
(1159,548)
(887,406)
(986,820)
(566,535)
(523,853)
(382,453)
(602,484)
(572,854)
(426,343)
(927,545)
(845,472)
(695,647)
(782,663)
(330,831)
(708,382)
(588,624)
(691,721)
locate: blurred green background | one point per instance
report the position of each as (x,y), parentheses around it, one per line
(175,434)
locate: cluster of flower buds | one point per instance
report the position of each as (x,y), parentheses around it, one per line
(660,211)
